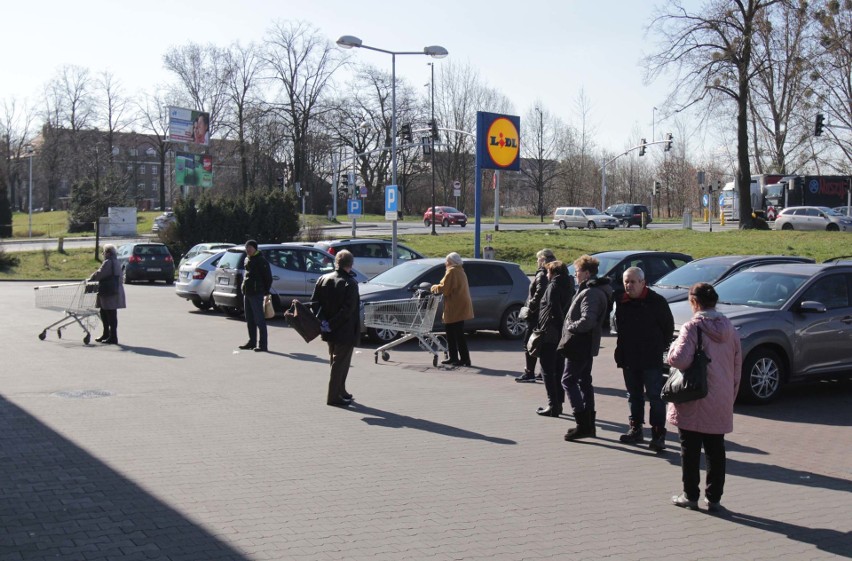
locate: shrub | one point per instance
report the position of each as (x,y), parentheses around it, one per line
(8,261)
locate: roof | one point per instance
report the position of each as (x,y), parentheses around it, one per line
(628,252)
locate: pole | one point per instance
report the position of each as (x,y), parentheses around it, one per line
(434,233)
(393,152)
(653,123)
(353,184)
(603,184)
(30,197)
(496,200)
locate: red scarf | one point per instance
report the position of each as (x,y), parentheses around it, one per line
(626,298)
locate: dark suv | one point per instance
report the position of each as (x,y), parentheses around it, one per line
(629,214)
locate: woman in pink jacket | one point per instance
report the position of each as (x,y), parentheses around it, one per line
(704,422)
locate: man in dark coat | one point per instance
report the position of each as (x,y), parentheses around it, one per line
(257,282)
(645,327)
(533,303)
(337,303)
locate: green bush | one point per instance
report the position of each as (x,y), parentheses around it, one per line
(8,261)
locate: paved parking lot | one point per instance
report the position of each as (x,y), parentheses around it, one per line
(175,446)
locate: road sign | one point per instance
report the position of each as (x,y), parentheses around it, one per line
(363,191)
(353,207)
(391,202)
(721,199)
(457,188)
(705,200)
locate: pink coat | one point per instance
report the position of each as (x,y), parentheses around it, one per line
(713,414)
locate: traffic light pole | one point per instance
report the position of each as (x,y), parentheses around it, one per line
(641,148)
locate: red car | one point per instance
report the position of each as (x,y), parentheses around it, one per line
(445,215)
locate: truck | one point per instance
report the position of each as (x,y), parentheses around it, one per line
(771,193)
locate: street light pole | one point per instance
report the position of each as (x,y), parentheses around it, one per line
(434,51)
(432,151)
(30,196)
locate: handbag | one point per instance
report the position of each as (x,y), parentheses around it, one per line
(108,286)
(303,321)
(524,313)
(690,383)
(534,343)
(268,308)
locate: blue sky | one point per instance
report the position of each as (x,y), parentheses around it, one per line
(533,51)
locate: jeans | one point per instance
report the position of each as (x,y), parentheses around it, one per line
(255,320)
(640,381)
(577,381)
(456,343)
(551,371)
(690,462)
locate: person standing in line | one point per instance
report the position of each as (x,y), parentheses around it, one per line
(704,422)
(458,307)
(109,304)
(581,342)
(554,307)
(337,302)
(645,326)
(257,283)
(536,291)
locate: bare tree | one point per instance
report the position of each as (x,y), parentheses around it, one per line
(245,67)
(203,78)
(153,115)
(115,116)
(542,148)
(712,51)
(16,123)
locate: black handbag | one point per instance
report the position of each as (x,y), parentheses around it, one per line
(534,343)
(691,383)
(303,321)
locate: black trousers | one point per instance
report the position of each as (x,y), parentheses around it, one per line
(552,364)
(340,357)
(577,381)
(691,443)
(456,343)
(109,319)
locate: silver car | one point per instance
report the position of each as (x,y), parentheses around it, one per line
(582,217)
(371,256)
(812,218)
(198,248)
(844,210)
(197,279)
(794,321)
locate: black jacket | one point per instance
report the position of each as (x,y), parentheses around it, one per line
(258,277)
(554,306)
(537,288)
(645,330)
(336,300)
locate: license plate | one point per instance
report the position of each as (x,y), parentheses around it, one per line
(154,269)
(224,281)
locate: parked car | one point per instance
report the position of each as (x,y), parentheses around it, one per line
(371,256)
(199,248)
(793,321)
(844,210)
(163,221)
(812,218)
(674,286)
(295,270)
(630,214)
(445,216)
(582,217)
(146,261)
(196,278)
(498,290)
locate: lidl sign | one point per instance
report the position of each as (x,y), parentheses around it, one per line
(498,141)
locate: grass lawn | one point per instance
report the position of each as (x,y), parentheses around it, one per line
(55,224)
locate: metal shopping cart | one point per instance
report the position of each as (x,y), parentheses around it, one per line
(76,300)
(413,317)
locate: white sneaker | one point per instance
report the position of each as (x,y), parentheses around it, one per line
(683,502)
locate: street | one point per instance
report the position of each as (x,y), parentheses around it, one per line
(175,445)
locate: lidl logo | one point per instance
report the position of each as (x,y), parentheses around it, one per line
(502,142)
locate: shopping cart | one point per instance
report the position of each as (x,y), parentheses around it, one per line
(413,317)
(76,300)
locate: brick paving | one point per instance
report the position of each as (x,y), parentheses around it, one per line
(200,452)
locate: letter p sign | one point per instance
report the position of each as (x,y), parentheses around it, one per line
(391,202)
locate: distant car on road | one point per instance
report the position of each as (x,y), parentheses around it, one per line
(794,322)
(146,261)
(197,279)
(163,221)
(498,290)
(582,217)
(674,286)
(844,210)
(812,218)
(629,214)
(445,216)
(371,256)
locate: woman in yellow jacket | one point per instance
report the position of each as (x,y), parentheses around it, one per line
(457,308)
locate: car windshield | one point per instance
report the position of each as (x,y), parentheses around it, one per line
(451,209)
(232,260)
(759,289)
(691,273)
(198,258)
(150,250)
(588,211)
(606,264)
(403,274)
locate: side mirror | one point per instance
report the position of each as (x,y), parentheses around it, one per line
(811,307)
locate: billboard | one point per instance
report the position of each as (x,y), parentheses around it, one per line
(186,125)
(193,170)
(498,141)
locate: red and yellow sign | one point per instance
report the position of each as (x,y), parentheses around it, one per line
(498,141)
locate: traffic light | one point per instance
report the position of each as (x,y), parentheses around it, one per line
(344,180)
(405,132)
(668,142)
(820,119)
(280,181)
(656,188)
(642,148)
(433,126)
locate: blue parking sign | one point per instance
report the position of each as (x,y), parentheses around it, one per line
(391,202)
(353,207)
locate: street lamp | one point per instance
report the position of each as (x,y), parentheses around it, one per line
(432,151)
(30,152)
(434,51)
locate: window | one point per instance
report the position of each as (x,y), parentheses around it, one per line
(142,169)
(150,152)
(481,274)
(831,291)
(317,262)
(134,152)
(130,168)
(115,150)
(155,169)
(403,254)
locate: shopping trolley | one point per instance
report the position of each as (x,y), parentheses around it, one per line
(76,300)
(414,317)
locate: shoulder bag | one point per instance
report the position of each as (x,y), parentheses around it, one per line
(691,383)
(534,343)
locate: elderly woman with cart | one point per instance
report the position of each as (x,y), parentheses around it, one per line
(110,295)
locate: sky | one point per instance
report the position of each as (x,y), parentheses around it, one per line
(534,51)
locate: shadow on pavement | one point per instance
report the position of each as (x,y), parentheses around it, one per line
(148,351)
(820,403)
(60,502)
(824,539)
(395,421)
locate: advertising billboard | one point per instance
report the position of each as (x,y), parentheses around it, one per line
(498,141)
(186,125)
(193,170)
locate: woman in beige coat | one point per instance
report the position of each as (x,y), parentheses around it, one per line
(457,308)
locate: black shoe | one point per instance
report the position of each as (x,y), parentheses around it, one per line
(340,403)
(526,378)
(449,361)
(633,436)
(102,338)
(261,350)
(347,395)
(111,341)
(658,440)
(549,411)
(248,346)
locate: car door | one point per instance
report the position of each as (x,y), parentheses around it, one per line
(571,219)
(490,286)
(288,274)
(823,341)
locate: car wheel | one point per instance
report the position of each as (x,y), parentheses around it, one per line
(592,225)
(202,305)
(562,225)
(232,312)
(427,223)
(787,226)
(170,282)
(625,224)
(124,278)
(832,227)
(763,374)
(463,224)
(511,326)
(445,223)
(382,335)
